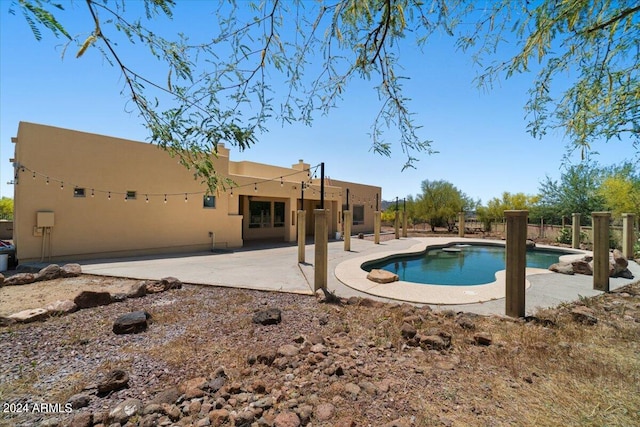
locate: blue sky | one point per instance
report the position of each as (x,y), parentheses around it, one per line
(481,137)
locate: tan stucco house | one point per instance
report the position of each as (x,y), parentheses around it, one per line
(81,195)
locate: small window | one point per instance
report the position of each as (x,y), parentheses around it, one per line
(131,195)
(78,192)
(209,202)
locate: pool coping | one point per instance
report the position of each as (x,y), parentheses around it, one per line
(350,274)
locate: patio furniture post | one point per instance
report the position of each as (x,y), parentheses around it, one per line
(601,250)
(516,262)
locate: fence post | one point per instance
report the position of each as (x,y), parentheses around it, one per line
(601,250)
(575,228)
(516,248)
(627,234)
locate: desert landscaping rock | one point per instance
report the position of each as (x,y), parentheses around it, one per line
(483,338)
(584,315)
(164,284)
(90,299)
(61,307)
(271,316)
(20,279)
(125,410)
(50,272)
(138,290)
(71,270)
(78,401)
(115,380)
(382,276)
(32,315)
(131,323)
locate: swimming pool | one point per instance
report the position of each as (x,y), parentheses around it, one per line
(458,265)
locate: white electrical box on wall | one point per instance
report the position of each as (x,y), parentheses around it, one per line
(44,219)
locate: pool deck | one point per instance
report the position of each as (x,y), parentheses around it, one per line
(272,268)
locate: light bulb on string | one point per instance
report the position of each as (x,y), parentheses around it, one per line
(125,197)
(232,192)
(255,188)
(185,197)
(61,185)
(47,181)
(146,198)
(165,198)
(109,195)
(281,182)
(34,175)
(92,193)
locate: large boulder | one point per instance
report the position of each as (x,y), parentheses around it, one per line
(89,299)
(31,315)
(60,307)
(582,266)
(20,279)
(50,272)
(71,270)
(562,267)
(131,323)
(382,276)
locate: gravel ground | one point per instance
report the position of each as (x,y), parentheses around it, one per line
(350,363)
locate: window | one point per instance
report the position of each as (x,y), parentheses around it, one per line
(131,195)
(278,214)
(78,192)
(259,214)
(209,202)
(358,214)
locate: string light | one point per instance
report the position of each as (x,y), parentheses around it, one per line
(48,179)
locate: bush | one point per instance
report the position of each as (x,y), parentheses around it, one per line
(565,236)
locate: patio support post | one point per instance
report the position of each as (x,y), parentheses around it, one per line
(301,235)
(601,250)
(348,220)
(461,224)
(628,220)
(321,249)
(377,221)
(397,221)
(516,262)
(575,228)
(404,217)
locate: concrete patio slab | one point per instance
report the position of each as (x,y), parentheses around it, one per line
(276,269)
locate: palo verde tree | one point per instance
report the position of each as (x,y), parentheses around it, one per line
(222,88)
(440,203)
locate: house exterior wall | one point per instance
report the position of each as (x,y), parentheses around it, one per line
(364,197)
(105,225)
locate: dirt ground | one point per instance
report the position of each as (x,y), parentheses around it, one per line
(17,298)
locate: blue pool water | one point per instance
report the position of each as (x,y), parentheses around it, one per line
(472,265)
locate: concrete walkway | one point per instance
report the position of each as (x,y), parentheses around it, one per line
(276,269)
